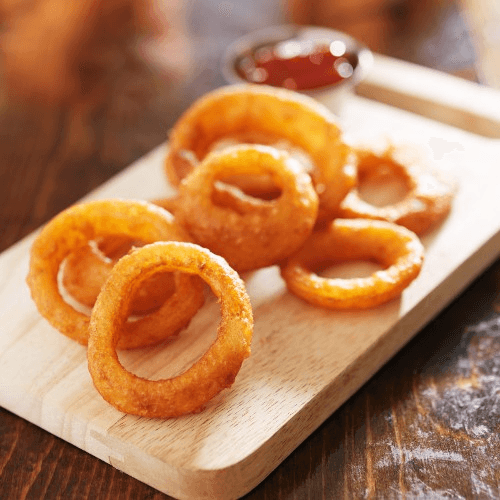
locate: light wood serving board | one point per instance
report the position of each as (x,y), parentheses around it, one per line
(305,361)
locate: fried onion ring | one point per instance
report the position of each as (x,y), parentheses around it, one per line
(427,199)
(73,228)
(169,204)
(213,372)
(394,247)
(260,114)
(248,232)
(86,269)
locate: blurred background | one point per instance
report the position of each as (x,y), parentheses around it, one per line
(87,87)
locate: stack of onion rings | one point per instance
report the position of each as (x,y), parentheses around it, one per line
(73,229)
(214,371)
(394,247)
(244,202)
(260,114)
(258,233)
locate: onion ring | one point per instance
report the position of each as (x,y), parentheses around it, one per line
(427,200)
(73,228)
(214,371)
(396,248)
(169,204)
(266,115)
(249,233)
(86,269)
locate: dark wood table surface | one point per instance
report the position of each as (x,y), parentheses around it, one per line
(425,426)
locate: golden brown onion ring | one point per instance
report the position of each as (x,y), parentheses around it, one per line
(248,232)
(213,372)
(261,114)
(427,200)
(73,228)
(394,247)
(169,204)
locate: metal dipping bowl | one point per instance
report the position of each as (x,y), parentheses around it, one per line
(334,95)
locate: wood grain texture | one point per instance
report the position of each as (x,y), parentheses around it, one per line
(434,94)
(277,401)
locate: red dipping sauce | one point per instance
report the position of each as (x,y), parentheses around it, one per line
(297,64)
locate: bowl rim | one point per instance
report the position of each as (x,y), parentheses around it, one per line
(277,33)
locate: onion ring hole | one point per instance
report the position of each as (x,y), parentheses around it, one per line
(346,269)
(177,353)
(385,186)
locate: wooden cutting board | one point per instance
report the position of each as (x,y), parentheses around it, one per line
(305,361)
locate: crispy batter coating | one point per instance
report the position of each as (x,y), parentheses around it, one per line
(168,203)
(73,228)
(248,232)
(267,115)
(398,250)
(213,372)
(87,268)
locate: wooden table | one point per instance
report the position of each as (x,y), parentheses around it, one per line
(425,425)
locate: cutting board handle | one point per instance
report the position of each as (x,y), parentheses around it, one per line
(433,94)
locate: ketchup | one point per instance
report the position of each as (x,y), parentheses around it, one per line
(297,64)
